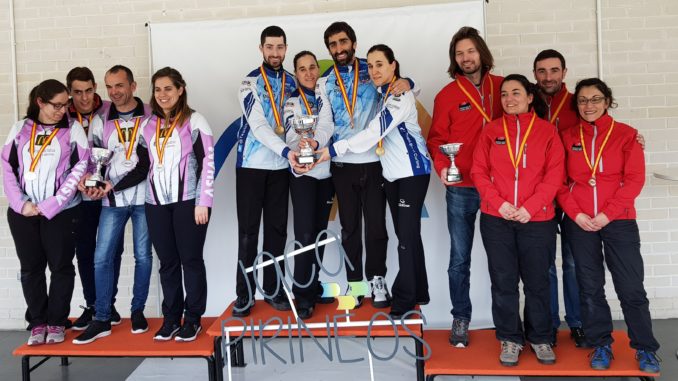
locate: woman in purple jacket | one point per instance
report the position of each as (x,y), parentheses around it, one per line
(43,159)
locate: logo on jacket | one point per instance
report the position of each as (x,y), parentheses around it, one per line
(500,140)
(576,147)
(464,106)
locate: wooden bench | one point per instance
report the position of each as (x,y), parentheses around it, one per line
(122,343)
(263,311)
(481,358)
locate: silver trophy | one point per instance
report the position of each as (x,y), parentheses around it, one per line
(304,125)
(451,150)
(100,157)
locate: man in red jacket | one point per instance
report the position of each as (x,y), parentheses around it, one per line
(460,111)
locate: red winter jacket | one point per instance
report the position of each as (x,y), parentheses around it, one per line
(619,178)
(566,117)
(456,120)
(541,169)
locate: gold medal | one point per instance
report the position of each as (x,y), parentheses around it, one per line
(592,181)
(276,112)
(279,130)
(380,151)
(594,166)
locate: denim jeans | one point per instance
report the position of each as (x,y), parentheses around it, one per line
(111,227)
(462,208)
(570,288)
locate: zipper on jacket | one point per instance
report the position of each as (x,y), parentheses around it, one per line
(515,178)
(525,156)
(593,160)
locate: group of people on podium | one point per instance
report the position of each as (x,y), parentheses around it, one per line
(534,159)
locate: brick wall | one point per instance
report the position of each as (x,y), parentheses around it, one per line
(640,61)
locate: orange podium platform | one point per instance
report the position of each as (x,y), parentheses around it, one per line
(122,343)
(323,316)
(481,358)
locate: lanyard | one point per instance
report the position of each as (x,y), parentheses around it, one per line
(276,109)
(380,145)
(161,150)
(350,108)
(137,121)
(89,118)
(593,167)
(515,160)
(473,101)
(35,158)
(560,106)
(303,98)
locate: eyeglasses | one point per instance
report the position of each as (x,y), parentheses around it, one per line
(58,106)
(584,101)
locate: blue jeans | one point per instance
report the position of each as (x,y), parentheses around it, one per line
(111,228)
(462,208)
(570,288)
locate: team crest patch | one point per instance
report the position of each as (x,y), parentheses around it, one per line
(500,140)
(464,106)
(576,147)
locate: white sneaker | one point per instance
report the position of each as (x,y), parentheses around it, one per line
(380,296)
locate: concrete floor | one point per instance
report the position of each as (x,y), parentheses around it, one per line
(103,369)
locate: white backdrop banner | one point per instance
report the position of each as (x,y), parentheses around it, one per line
(215,56)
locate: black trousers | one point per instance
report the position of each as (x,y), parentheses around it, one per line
(179,242)
(42,243)
(257,191)
(517,252)
(86,227)
(618,244)
(360,193)
(406,199)
(311,206)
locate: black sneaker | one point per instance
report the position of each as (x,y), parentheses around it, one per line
(279,302)
(188,332)
(95,330)
(305,312)
(242,306)
(115,316)
(459,333)
(85,318)
(166,332)
(577,334)
(139,323)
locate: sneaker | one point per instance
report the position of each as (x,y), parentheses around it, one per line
(509,353)
(459,333)
(55,334)
(82,322)
(37,336)
(305,312)
(545,354)
(279,302)
(166,332)
(95,330)
(601,357)
(577,334)
(115,316)
(188,332)
(380,296)
(648,361)
(139,323)
(241,304)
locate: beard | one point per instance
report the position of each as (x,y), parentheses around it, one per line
(350,53)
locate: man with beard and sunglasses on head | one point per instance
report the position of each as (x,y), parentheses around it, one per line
(348,102)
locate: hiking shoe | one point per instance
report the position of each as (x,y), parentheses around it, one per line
(648,361)
(37,336)
(577,334)
(55,334)
(279,302)
(82,322)
(95,330)
(188,332)
(166,332)
(115,316)
(358,299)
(545,354)
(380,296)
(139,323)
(459,333)
(601,357)
(241,303)
(509,353)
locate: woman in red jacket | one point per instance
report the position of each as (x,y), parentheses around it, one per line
(518,169)
(605,173)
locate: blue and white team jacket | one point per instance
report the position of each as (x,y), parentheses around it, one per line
(332,110)
(259,146)
(405,148)
(295,106)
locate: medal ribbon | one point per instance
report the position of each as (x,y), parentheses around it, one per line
(560,106)
(515,160)
(121,138)
(89,118)
(350,108)
(303,98)
(600,151)
(276,109)
(35,158)
(158,149)
(473,100)
(380,144)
